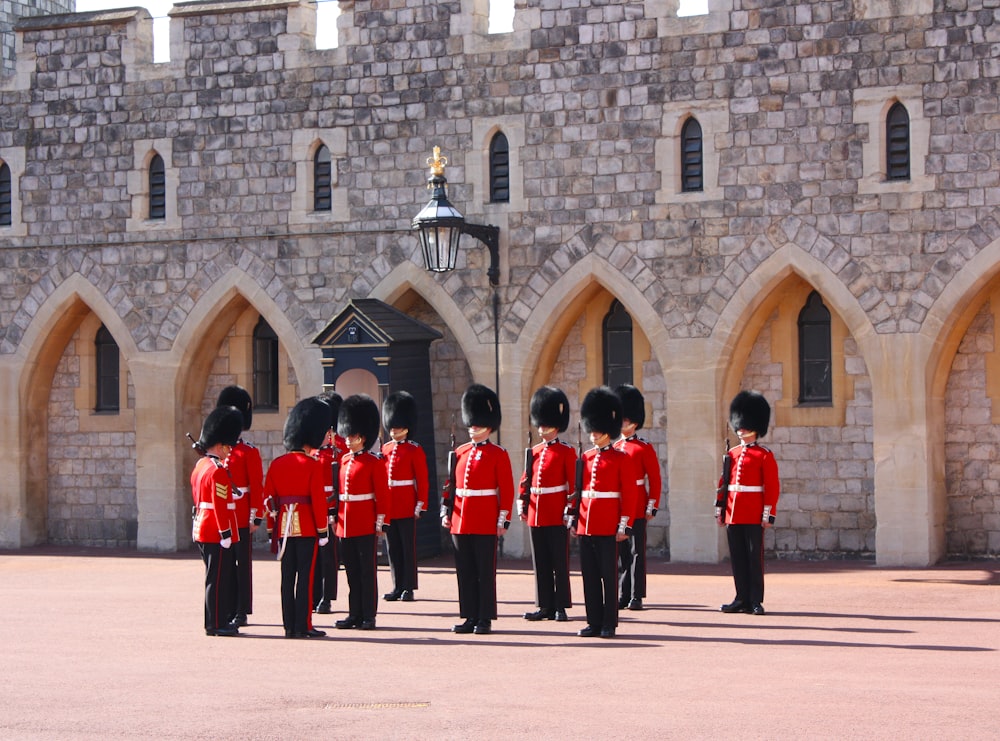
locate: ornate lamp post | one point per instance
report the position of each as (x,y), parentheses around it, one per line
(440,225)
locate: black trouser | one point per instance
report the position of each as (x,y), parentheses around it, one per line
(361,566)
(401,540)
(550,558)
(598,567)
(746,552)
(632,562)
(476,569)
(296,583)
(325,574)
(242,575)
(218,584)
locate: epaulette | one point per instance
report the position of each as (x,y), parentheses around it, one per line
(247,443)
(564,443)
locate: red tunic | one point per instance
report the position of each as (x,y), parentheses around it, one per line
(647,466)
(294,485)
(364,494)
(406,466)
(212,495)
(484,486)
(553,474)
(753,484)
(247,471)
(609,492)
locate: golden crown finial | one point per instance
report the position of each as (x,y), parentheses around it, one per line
(437,163)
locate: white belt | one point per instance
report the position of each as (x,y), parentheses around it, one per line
(407,482)
(243,489)
(549,489)
(476,492)
(742,487)
(209,505)
(356,497)
(591,494)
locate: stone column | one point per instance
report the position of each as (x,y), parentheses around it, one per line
(694,445)
(12,461)
(162,487)
(909,505)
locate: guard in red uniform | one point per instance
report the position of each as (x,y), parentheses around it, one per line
(364,499)
(214,528)
(547,486)
(751,500)
(606,510)
(294,491)
(479,511)
(327,558)
(247,472)
(632,552)
(406,466)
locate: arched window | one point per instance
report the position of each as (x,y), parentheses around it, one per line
(322,180)
(157,188)
(265,366)
(499,169)
(6,201)
(106,355)
(815,357)
(692,175)
(897,138)
(617,332)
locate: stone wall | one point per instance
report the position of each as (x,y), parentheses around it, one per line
(827,504)
(11,11)
(791,99)
(92,482)
(972,471)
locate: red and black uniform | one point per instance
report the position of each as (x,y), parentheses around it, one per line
(484,488)
(327,558)
(364,495)
(247,472)
(297,518)
(753,485)
(552,475)
(406,467)
(632,552)
(608,506)
(214,521)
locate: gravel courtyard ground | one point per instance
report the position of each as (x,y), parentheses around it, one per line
(108,645)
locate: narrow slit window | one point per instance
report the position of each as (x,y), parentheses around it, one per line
(6,196)
(499,169)
(897,137)
(157,188)
(322,180)
(107,357)
(692,157)
(815,356)
(617,332)
(265,366)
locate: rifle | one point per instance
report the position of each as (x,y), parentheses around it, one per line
(448,498)
(196,445)
(524,497)
(334,500)
(727,474)
(573,508)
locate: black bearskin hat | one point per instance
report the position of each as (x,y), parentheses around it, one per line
(399,410)
(359,416)
(223,425)
(480,407)
(749,410)
(633,404)
(332,400)
(239,397)
(601,411)
(307,424)
(550,408)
